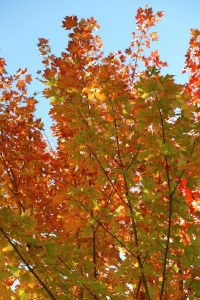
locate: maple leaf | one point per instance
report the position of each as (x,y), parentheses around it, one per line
(42,41)
(21,85)
(70,22)
(154,36)
(2,65)
(28,79)
(160,14)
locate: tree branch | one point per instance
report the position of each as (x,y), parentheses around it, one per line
(133,223)
(27,265)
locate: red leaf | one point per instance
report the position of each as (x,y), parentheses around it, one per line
(70,22)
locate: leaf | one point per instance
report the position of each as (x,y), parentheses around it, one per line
(21,85)
(70,22)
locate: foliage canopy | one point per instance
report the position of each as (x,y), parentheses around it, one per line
(112,212)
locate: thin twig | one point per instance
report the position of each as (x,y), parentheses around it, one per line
(109,233)
(133,159)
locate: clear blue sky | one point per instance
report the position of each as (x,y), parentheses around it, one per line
(22,22)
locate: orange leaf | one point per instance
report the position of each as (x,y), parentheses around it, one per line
(70,22)
(21,85)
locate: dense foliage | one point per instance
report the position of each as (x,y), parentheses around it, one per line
(112,212)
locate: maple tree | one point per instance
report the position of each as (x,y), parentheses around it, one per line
(113,211)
